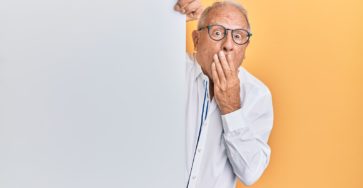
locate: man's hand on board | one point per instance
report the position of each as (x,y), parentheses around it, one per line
(191,8)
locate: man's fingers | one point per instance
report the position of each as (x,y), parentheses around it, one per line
(177,7)
(215,75)
(225,64)
(192,7)
(230,62)
(219,68)
(195,15)
(184,3)
(199,11)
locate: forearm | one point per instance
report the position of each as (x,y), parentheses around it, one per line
(246,144)
(248,155)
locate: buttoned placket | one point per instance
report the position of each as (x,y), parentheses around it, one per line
(202,137)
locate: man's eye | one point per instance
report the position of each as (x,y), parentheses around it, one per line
(237,36)
(217,33)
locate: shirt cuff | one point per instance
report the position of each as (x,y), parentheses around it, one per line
(233,121)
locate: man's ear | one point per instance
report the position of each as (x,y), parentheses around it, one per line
(195,36)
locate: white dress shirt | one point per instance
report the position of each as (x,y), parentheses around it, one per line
(220,148)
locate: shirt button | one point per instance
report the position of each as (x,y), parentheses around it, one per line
(199,150)
(194,177)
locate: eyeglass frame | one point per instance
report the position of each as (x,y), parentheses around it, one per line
(249,34)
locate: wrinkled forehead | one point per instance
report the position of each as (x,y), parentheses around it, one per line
(228,16)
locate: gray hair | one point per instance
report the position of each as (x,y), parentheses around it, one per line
(204,15)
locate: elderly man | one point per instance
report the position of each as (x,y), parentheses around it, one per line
(229,111)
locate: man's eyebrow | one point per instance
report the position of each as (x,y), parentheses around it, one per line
(215,23)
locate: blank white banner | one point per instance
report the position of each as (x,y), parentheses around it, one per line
(91,94)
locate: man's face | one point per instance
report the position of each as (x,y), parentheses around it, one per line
(206,48)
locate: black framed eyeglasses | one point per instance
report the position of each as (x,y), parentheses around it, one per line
(218,32)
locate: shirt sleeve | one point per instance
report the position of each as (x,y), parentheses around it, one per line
(246,132)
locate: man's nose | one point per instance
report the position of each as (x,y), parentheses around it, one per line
(228,43)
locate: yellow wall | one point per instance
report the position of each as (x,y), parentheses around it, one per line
(310,54)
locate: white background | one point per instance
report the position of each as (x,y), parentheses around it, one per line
(91,94)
